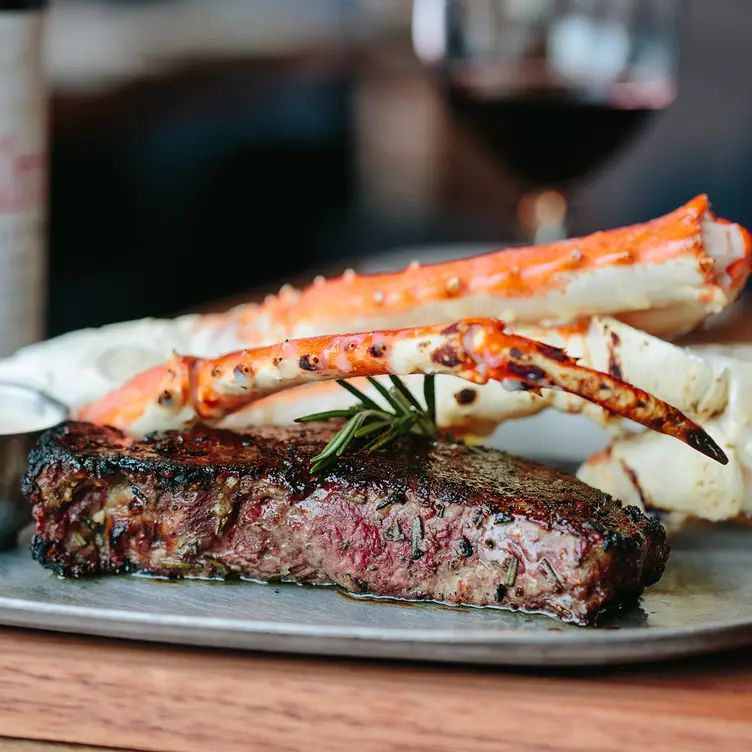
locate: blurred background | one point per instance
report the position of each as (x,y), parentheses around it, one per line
(208,150)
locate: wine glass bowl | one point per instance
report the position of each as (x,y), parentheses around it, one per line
(551,88)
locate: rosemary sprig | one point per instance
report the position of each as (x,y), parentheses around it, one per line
(370,426)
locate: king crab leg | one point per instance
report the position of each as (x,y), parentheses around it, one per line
(476,350)
(665,276)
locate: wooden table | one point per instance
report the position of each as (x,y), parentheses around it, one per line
(147,697)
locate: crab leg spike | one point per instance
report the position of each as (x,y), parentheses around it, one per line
(477,350)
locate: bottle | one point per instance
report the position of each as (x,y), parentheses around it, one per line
(23,174)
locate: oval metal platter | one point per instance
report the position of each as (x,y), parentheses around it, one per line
(703,602)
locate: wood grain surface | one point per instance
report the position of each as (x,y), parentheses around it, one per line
(147,697)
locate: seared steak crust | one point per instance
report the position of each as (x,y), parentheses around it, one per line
(417,520)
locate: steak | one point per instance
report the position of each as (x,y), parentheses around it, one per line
(417,520)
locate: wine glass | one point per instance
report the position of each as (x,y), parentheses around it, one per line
(551,88)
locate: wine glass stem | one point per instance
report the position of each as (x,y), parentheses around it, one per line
(542,216)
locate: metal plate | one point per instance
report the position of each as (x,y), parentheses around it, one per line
(703,603)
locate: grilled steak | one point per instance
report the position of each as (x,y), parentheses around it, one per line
(417,520)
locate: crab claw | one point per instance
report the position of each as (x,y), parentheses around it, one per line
(478,350)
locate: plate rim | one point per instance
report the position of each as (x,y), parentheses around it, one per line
(498,651)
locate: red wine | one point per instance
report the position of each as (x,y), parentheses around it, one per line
(547,140)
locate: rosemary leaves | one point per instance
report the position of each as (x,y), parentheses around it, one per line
(369,426)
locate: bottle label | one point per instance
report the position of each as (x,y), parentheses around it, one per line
(23,180)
